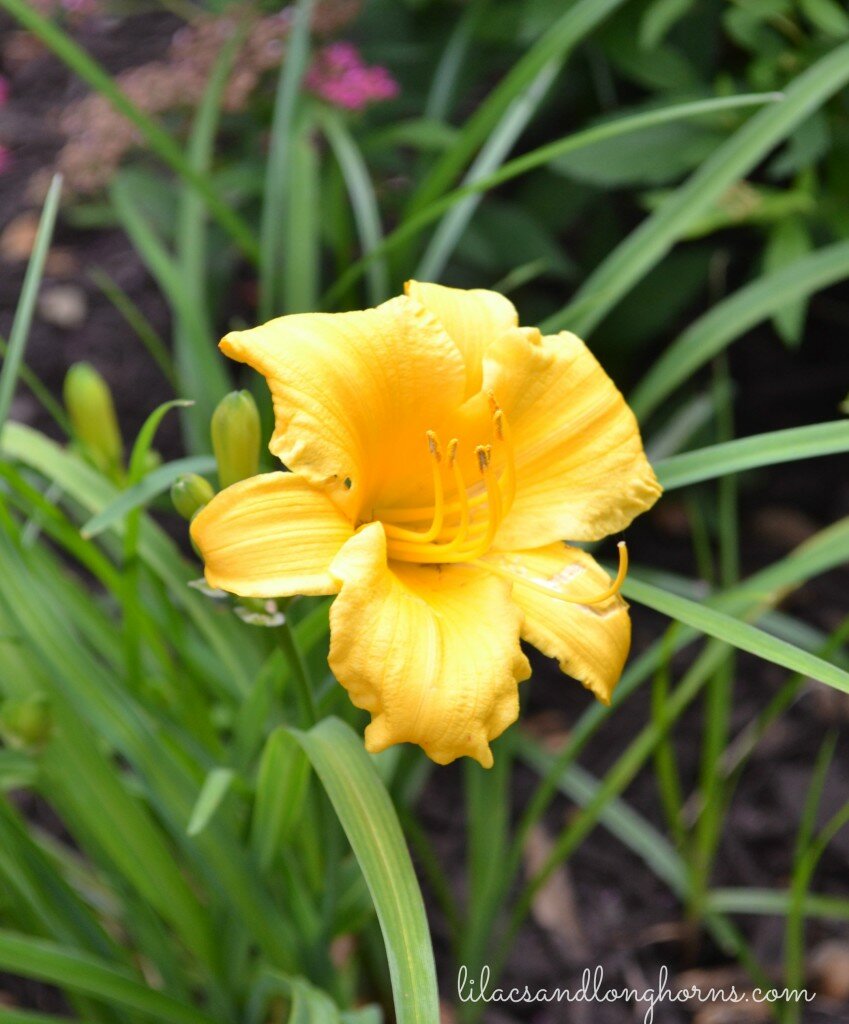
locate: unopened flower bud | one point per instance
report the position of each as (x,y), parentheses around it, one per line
(236,437)
(190,493)
(26,722)
(92,413)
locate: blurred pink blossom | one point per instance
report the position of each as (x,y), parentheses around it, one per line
(339,76)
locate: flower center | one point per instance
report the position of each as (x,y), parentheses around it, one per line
(460,529)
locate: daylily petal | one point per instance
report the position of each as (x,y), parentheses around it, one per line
(591,641)
(473,320)
(273,535)
(431,651)
(354,394)
(581,472)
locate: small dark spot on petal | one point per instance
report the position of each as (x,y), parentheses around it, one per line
(348,483)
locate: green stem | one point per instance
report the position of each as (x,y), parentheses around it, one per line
(301,674)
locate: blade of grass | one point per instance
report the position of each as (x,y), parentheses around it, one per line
(82,972)
(154,483)
(824,551)
(738,634)
(414,223)
(617,778)
(369,820)
(93,493)
(569,29)
(804,861)
(363,199)
(156,138)
(667,775)
(652,240)
(130,596)
(26,304)
(40,392)
(488,816)
(200,370)
(274,209)
(618,817)
(736,456)
(777,902)
(732,317)
(301,228)
(137,321)
(492,154)
(719,696)
(451,62)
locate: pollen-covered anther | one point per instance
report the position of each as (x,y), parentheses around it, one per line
(463,528)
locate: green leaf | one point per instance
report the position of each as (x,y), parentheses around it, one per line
(200,370)
(362,196)
(788,241)
(653,156)
(93,493)
(569,29)
(616,816)
(414,223)
(492,155)
(658,19)
(731,318)
(154,483)
(26,304)
(300,230)
(650,242)
(307,1004)
(273,256)
(828,16)
(771,449)
(280,791)
(80,972)
(366,813)
(17,770)
(732,631)
(215,787)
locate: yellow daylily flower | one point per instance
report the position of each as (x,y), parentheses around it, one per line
(438,454)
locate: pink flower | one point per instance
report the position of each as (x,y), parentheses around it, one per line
(339,76)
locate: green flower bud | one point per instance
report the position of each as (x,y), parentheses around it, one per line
(190,493)
(92,413)
(236,437)
(26,722)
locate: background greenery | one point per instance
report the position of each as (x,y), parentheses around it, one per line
(660,177)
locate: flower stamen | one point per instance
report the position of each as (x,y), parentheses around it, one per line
(464,528)
(414,536)
(549,591)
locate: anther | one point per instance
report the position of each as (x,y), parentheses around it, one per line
(452,450)
(433,445)
(498,422)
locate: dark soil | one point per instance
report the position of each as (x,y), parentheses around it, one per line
(623,918)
